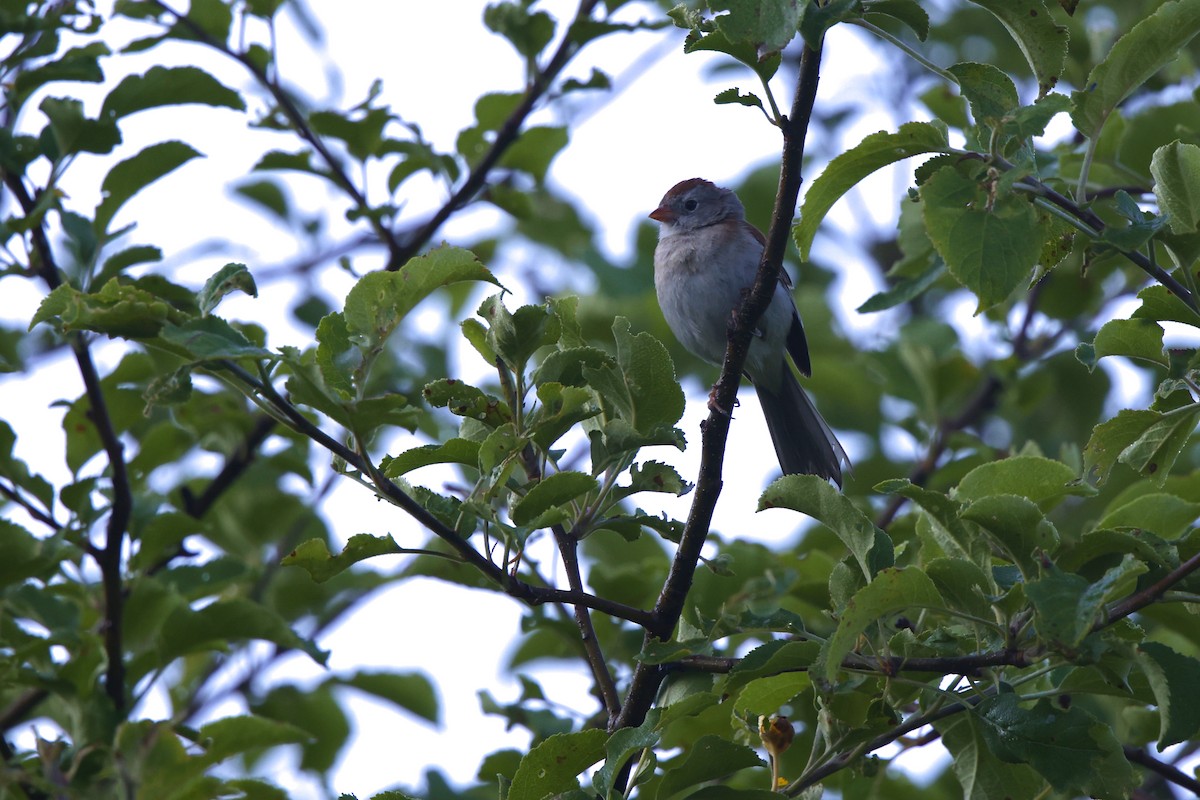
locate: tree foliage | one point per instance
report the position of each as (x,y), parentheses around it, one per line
(1022,595)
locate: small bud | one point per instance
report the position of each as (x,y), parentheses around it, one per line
(776,734)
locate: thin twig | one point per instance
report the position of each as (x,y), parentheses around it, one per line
(508,133)
(970,665)
(297,120)
(1137,755)
(511,585)
(1136,602)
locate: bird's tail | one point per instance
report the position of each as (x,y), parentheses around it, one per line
(804,442)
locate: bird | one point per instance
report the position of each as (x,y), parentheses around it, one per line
(706,260)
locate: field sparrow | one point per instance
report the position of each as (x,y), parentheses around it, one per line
(706,259)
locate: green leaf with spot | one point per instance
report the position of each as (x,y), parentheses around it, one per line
(1042,41)
(552,765)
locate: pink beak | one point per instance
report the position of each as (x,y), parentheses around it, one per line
(663,214)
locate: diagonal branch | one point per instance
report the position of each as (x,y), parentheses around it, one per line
(510,584)
(505,137)
(290,110)
(715,431)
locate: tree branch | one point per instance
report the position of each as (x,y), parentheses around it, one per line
(969,665)
(296,118)
(511,585)
(715,431)
(505,137)
(1136,602)
(1137,755)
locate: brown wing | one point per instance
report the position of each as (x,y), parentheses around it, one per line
(797,342)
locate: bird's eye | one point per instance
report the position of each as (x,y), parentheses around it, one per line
(690,204)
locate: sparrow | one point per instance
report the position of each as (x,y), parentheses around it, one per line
(706,260)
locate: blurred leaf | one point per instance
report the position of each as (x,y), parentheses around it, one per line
(216,625)
(709,758)
(411,692)
(168,86)
(1145,49)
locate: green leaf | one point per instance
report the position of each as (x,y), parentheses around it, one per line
(411,692)
(733,96)
(380,300)
(874,152)
(466,400)
(452,451)
(944,515)
(766,696)
(1018,526)
(1068,605)
(1042,480)
(362,134)
(553,491)
(533,151)
(990,243)
(1137,338)
(1176,171)
(1162,305)
(215,625)
(516,336)
(641,385)
(816,19)
(708,758)
(211,338)
(168,86)
(232,277)
(76,64)
(1167,515)
(772,658)
(768,25)
(1077,754)
(528,32)
(623,744)
(981,774)
(1042,41)
(1173,678)
(552,765)
(118,309)
(75,133)
(908,12)
(890,591)
(1150,45)
(314,557)
(231,736)
(989,90)
(905,290)
(1154,452)
(813,496)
